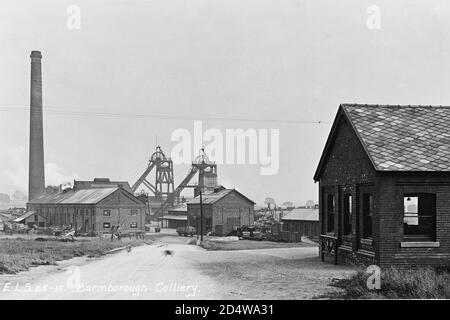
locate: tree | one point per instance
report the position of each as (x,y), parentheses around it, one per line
(310,204)
(288,205)
(270,201)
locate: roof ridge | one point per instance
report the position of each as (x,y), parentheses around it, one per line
(392,105)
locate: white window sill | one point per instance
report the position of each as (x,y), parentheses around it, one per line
(421,244)
(366,241)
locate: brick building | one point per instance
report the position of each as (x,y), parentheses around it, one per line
(384,186)
(223,210)
(91,210)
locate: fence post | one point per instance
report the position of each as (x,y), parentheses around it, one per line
(321,249)
(335,252)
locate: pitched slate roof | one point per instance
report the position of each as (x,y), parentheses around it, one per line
(302,214)
(402,138)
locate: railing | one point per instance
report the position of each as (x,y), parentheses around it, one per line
(329,245)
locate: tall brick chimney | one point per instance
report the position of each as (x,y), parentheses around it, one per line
(36,176)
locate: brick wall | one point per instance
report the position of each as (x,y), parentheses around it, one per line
(347,170)
(390,212)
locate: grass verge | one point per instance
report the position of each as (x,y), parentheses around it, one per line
(249,244)
(397,284)
(20,254)
(269,277)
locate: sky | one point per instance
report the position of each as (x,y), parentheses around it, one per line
(135,71)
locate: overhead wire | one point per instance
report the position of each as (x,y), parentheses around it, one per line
(68,112)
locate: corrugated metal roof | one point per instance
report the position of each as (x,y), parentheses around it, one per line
(173,217)
(24,216)
(302,214)
(403,138)
(212,196)
(180,207)
(83,196)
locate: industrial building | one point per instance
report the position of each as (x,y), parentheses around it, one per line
(93,210)
(384,186)
(303,221)
(223,210)
(176,216)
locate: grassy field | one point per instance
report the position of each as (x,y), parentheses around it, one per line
(18,254)
(250,244)
(397,284)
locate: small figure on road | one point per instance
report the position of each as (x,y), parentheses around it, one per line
(168,252)
(118,233)
(112,233)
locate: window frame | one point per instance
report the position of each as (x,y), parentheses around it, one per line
(367,214)
(348,212)
(107,212)
(330,214)
(426,203)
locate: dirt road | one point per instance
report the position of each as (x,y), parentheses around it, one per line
(189,272)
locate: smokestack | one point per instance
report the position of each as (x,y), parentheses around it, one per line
(36,178)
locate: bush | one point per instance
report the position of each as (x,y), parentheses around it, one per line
(424,283)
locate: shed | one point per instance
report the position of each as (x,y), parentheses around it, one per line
(31,218)
(176,217)
(305,221)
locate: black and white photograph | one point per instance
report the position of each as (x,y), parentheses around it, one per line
(223,155)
